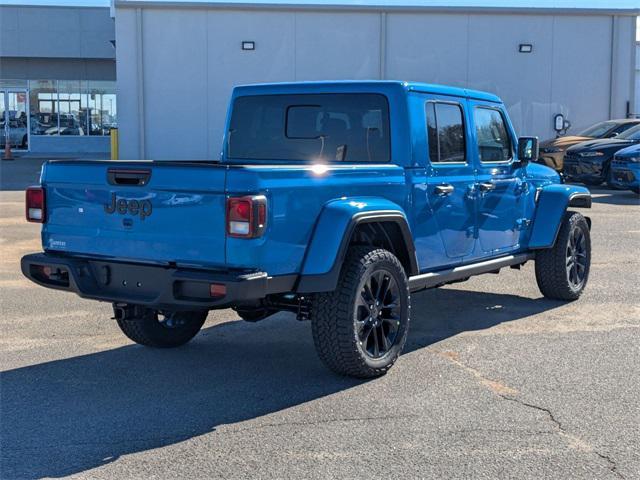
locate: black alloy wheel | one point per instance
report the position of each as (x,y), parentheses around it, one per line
(562,271)
(377,313)
(577,257)
(360,328)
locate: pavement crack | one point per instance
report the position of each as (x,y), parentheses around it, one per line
(510,394)
(537,407)
(574,440)
(613,466)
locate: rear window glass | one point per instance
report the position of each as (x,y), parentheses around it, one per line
(631,134)
(310,128)
(598,130)
(445,129)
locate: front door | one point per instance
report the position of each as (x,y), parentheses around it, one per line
(14,107)
(500,184)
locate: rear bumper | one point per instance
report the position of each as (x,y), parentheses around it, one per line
(153,286)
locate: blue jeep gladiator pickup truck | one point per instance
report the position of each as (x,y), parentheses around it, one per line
(334,200)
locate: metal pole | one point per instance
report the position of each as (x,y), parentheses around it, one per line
(113,132)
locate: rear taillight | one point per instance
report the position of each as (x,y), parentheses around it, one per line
(246,216)
(35,205)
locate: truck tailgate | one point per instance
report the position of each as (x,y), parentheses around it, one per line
(157,212)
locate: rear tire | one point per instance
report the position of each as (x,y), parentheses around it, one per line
(360,328)
(163,330)
(562,271)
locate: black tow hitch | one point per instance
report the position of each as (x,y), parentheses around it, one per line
(124,311)
(304,309)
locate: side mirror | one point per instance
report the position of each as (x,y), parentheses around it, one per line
(528,149)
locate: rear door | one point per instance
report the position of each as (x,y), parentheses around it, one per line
(500,185)
(451,177)
(137,211)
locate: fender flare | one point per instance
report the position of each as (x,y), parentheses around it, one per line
(552,202)
(327,250)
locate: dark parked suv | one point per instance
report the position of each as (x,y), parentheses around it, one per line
(590,162)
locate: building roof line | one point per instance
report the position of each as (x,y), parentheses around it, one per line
(231,5)
(42,5)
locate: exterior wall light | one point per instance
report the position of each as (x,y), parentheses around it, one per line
(525,48)
(248,45)
(561,124)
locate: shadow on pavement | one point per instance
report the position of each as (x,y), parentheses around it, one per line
(76,414)
(443,313)
(615,197)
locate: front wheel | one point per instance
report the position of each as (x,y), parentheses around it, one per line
(360,328)
(163,329)
(563,270)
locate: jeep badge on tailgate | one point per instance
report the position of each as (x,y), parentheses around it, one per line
(132,207)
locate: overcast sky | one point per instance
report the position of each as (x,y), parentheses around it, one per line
(480,3)
(68,3)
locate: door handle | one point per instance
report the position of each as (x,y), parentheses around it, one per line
(443,190)
(486,186)
(129,177)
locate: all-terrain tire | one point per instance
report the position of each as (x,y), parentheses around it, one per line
(335,315)
(554,266)
(176,328)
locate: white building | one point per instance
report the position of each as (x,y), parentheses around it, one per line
(637,109)
(177,61)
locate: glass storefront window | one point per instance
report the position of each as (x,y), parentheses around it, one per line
(72,107)
(70,118)
(102,107)
(13,119)
(43,101)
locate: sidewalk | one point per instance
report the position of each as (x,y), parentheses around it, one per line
(25,169)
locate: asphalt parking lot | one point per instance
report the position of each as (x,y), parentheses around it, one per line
(495,381)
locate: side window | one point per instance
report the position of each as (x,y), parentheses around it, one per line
(432,132)
(445,129)
(494,143)
(623,128)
